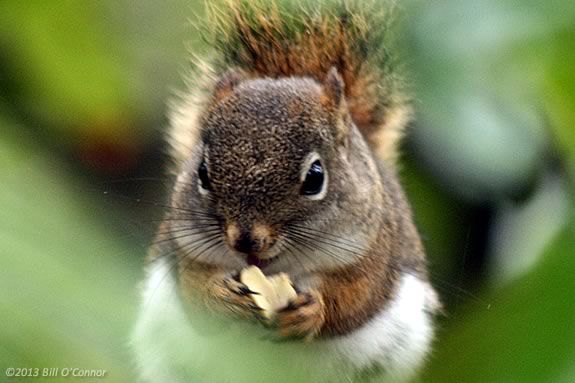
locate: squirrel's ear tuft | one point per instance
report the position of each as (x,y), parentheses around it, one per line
(227,82)
(333,87)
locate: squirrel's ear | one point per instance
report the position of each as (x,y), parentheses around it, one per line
(333,88)
(227,82)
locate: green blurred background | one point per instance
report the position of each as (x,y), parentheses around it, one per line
(489,167)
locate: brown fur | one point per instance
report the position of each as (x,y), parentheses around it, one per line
(254,129)
(328,41)
(271,48)
(353,295)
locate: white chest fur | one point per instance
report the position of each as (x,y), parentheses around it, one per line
(175,347)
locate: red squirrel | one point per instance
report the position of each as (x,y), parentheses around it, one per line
(284,154)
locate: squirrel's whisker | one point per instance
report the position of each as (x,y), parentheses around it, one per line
(310,244)
(175,218)
(188,252)
(179,237)
(170,237)
(192,213)
(339,239)
(189,229)
(172,264)
(326,241)
(208,251)
(195,253)
(326,234)
(196,226)
(289,247)
(158,204)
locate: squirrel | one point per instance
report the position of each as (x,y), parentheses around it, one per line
(284,156)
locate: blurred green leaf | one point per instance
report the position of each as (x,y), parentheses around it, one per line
(67,279)
(524,332)
(484,70)
(560,92)
(67,62)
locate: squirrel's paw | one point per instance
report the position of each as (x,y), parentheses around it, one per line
(303,317)
(234,297)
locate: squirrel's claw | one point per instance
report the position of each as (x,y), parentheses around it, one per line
(233,297)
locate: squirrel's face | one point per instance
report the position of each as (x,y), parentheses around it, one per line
(270,181)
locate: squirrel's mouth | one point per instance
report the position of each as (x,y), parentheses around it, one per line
(259,262)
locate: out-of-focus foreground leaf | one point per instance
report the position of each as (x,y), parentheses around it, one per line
(524,332)
(67,280)
(560,93)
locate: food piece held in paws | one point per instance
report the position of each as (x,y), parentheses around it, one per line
(272,293)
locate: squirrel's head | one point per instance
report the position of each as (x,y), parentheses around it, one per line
(280,177)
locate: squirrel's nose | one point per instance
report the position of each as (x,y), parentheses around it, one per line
(251,240)
(246,244)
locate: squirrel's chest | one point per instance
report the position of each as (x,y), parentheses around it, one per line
(174,346)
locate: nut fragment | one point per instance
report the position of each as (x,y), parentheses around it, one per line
(273,293)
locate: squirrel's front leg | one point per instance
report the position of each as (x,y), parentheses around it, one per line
(218,290)
(304,317)
(341,302)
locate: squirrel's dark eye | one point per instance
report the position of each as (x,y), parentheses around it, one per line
(313,183)
(203,175)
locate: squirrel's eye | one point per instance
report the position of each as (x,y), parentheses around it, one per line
(314,179)
(203,175)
